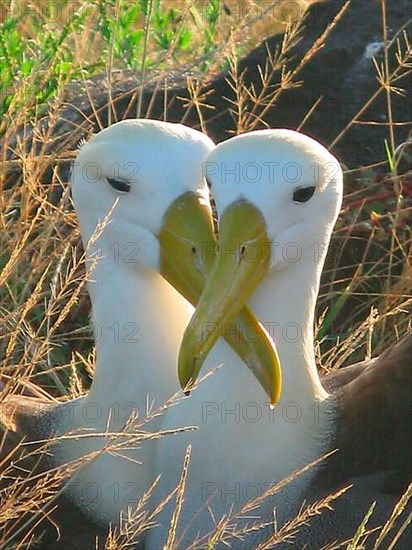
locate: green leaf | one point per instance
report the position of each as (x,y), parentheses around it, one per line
(361,530)
(389,156)
(185,39)
(26,67)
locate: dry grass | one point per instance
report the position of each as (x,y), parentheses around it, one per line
(43,302)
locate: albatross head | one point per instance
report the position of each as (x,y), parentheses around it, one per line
(278,194)
(142,181)
(284,182)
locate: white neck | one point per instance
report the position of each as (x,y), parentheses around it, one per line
(285,303)
(140,321)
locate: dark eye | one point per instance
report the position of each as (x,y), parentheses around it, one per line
(303,194)
(119,185)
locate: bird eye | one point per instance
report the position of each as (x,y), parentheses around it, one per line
(303,194)
(119,185)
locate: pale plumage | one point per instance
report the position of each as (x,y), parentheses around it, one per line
(125,181)
(144,213)
(281,189)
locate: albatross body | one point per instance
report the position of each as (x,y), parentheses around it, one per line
(144,213)
(278,194)
(125,181)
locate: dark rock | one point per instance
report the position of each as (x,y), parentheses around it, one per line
(342,73)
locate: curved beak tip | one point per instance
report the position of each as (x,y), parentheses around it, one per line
(186,383)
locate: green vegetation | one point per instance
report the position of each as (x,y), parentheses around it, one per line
(45,45)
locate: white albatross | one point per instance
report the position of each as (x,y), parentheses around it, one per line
(144,213)
(278,195)
(136,186)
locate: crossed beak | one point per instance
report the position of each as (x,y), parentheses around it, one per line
(219,281)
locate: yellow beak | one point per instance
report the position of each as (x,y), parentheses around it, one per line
(242,262)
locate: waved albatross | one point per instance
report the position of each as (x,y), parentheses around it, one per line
(144,214)
(278,194)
